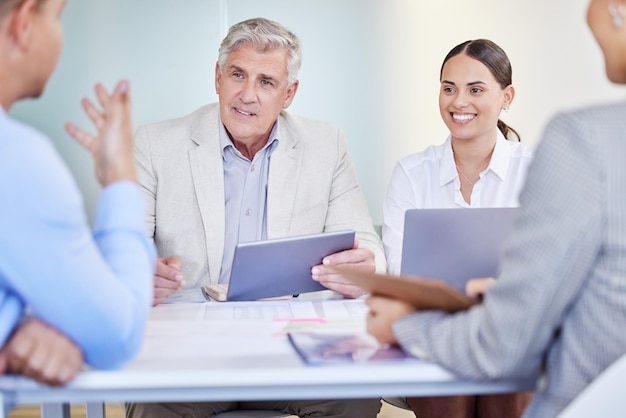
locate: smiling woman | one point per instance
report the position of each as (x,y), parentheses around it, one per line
(476,166)
(487,73)
(476,85)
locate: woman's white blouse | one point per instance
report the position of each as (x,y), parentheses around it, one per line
(429,179)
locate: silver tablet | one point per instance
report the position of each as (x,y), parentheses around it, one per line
(278,267)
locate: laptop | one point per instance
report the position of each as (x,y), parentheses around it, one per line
(455,245)
(278,267)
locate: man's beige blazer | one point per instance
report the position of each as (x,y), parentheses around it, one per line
(312,188)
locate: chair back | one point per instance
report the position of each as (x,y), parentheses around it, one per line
(604,397)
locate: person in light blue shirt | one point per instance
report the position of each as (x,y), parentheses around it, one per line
(66,292)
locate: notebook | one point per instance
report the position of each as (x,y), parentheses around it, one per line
(278,267)
(424,294)
(455,245)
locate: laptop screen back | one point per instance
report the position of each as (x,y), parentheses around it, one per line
(455,244)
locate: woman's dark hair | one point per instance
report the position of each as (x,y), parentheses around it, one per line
(496,60)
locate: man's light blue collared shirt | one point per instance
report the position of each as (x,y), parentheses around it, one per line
(245,196)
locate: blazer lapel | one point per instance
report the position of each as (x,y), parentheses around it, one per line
(283,182)
(208,179)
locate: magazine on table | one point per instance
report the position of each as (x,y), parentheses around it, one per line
(319,348)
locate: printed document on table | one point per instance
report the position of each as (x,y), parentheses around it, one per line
(286,309)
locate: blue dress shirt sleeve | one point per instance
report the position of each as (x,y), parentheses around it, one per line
(94,286)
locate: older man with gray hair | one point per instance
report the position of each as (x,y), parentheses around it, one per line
(242,170)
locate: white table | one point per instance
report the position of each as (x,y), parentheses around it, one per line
(222,351)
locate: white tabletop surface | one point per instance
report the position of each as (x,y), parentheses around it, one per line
(239,350)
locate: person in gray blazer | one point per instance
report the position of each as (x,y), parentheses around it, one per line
(242,170)
(559,304)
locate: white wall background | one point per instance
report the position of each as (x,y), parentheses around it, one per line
(370,66)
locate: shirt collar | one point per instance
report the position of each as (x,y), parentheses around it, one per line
(501,157)
(226,142)
(499,162)
(447,172)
